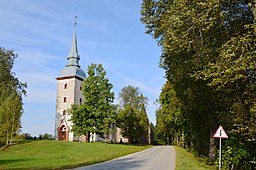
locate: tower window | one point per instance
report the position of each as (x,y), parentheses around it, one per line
(80,87)
(65,86)
(80,101)
(64,112)
(65,100)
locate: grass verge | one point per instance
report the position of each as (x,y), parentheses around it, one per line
(60,154)
(186,160)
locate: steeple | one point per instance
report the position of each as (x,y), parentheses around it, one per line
(72,68)
(73,57)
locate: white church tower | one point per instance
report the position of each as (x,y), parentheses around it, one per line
(68,92)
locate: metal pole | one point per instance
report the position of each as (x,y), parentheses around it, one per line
(220,156)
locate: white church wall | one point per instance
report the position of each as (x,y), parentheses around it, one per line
(71,92)
(78,92)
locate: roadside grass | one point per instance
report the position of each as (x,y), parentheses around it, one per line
(187,161)
(47,154)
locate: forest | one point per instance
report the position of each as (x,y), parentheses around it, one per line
(208,54)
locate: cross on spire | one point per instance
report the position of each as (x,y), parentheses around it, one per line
(75,21)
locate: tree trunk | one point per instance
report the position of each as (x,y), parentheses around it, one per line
(252,4)
(12,129)
(105,137)
(212,148)
(177,139)
(88,136)
(130,139)
(7,137)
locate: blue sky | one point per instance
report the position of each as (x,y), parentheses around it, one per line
(108,32)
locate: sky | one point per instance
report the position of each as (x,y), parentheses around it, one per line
(109,32)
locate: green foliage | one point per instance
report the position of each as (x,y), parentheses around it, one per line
(10,111)
(169,118)
(97,112)
(50,154)
(235,156)
(237,153)
(132,116)
(11,91)
(208,54)
(131,96)
(153,137)
(45,136)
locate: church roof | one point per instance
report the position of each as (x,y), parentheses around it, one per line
(73,67)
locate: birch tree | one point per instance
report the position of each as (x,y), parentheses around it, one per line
(11,91)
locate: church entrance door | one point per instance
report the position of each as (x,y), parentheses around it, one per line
(63,133)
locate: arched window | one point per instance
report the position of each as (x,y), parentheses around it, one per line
(65,86)
(80,101)
(81,87)
(64,112)
(65,100)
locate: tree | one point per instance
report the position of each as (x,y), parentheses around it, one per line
(169,118)
(132,115)
(45,136)
(233,74)
(131,96)
(97,113)
(153,138)
(208,54)
(11,91)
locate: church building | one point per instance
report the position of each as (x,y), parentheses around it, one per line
(69,92)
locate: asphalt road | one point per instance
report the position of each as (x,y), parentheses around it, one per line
(157,158)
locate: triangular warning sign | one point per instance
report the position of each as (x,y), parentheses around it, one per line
(220,133)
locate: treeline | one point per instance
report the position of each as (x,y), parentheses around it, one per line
(27,136)
(11,91)
(209,58)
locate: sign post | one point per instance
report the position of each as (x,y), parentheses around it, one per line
(220,133)
(220,156)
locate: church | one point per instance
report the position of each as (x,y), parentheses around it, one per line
(69,92)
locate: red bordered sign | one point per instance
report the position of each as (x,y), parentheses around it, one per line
(220,133)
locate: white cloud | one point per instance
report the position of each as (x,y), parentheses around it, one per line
(35,68)
(136,83)
(39,95)
(127,79)
(35,57)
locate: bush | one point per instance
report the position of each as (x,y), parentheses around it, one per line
(236,155)
(45,136)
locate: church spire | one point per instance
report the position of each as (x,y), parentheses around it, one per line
(73,67)
(73,57)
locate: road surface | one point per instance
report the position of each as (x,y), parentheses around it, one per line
(158,157)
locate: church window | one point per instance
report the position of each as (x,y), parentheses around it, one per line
(64,112)
(80,101)
(65,86)
(65,100)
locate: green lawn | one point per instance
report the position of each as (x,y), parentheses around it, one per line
(59,154)
(47,154)
(187,161)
